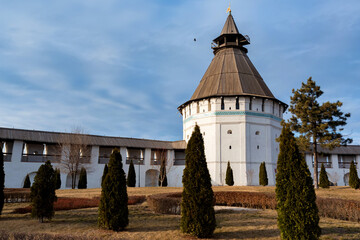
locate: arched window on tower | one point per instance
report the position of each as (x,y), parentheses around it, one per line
(222,104)
(229,132)
(257,133)
(237,103)
(273,107)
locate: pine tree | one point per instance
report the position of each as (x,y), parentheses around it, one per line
(197,210)
(82,179)
(324,180)
(263,178)
(113,209)
(57,179)
(354,181)
(43,193)
(297,211)
(105,172)
(162,176)
(2,180)
(27,182)
(229,179)
(131,177)
(317,124)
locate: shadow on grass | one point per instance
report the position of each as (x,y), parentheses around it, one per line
(243,234)
(340,230)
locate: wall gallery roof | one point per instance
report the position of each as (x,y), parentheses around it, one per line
(55,137)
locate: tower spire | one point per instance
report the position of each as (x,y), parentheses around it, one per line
(229,9)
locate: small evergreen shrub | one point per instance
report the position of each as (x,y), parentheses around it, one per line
(27,182)
(324,180)
(43,193)
(113,208)
(82,179)
(131,178)
(57,178)
(298,216)
(354,181)
(263,178)
(162,176)
(229,179)
(2,180)
(197,210)
(105,172)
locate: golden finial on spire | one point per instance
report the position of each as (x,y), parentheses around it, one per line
(229,9)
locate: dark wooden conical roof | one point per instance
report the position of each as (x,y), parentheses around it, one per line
(231,73)
(229,26)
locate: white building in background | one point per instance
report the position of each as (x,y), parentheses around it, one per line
(238,116)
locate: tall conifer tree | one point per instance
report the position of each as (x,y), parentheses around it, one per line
(113,208)
(43,193)
(354,181)
(162,176)
(229,179)
(2,180)
(197,210)
(57,178)
(324,180)
(263,178)
(82,179)
(131,177)
(316,123)
(297,211)
(27,182)
(105,172)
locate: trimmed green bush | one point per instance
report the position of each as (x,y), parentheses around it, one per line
(229,179)
(27,182)
(2,180)
(263,178)
(43,193)
(105,172)
(324,180)
(113,209)
(162,176)
(197,210)
(354,181)
(82,179)
(57,178)
(131,177)
(298,216)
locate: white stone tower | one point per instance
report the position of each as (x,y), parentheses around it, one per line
(236,112)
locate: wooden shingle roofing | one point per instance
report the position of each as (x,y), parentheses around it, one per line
(231,73)
(94,140)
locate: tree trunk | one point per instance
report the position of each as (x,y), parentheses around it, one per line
(316,185)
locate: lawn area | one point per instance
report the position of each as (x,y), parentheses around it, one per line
(144,224)
(332,192)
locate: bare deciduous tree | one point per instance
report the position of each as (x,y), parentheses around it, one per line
(164,160)
(76,153)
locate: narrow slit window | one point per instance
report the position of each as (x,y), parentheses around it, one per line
(209,105)
(198,108)
(250,104)
(222,104)
(263,105)
(237,104)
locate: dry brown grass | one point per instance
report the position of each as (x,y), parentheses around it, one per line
(145,224)
(332,192)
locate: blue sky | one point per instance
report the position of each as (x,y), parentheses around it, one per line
(122,68)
